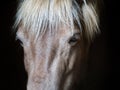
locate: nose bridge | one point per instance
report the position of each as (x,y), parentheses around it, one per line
(50,52)
(45,53)
(42,71)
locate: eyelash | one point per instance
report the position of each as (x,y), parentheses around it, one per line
(74,39)
(20,42)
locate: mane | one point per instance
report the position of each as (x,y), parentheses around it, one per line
(37,16)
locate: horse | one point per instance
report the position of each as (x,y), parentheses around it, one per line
(55,36)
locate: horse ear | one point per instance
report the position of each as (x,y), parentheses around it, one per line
(90,19)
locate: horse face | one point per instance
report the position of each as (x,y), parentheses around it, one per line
(53,61)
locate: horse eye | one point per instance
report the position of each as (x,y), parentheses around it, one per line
(74,39)
(19,42)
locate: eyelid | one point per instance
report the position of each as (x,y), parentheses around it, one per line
(77,35)
(74,39)
(19,41)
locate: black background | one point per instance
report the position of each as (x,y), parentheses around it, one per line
(104,59)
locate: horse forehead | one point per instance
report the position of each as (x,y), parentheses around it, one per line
(55,34)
